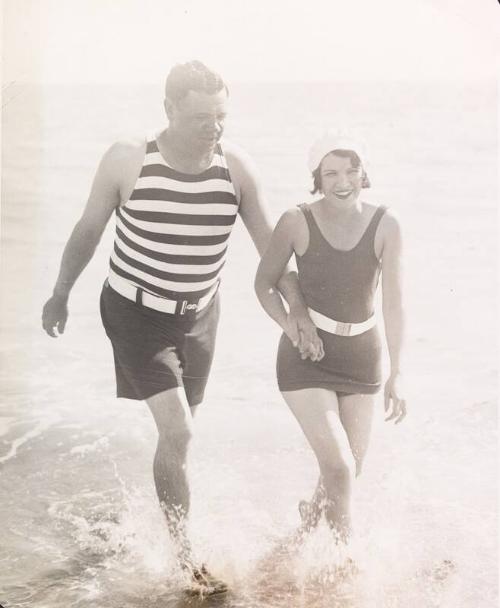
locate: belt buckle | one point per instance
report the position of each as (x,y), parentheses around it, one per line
(343,329)
(186,307)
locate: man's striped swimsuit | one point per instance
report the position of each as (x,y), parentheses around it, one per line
(171,242)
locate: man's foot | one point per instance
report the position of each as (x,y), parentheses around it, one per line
(203,583)
(348,570)
(440,571)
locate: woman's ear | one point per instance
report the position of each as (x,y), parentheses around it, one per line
(365,182)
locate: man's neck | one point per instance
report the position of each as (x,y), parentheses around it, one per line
(181,156)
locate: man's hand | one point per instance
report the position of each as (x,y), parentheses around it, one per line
(304,335)
(55,315)
(394,403)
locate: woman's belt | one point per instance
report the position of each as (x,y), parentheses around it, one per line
(338,327)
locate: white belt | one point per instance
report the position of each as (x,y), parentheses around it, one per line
(136,294)
(338,327)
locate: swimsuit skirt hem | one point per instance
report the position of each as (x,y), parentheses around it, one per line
(358,389)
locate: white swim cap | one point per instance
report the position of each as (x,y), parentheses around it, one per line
(336,140)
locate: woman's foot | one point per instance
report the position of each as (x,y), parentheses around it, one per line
(203,583)
(309,515)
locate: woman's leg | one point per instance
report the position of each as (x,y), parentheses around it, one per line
(310,511)
(356,414)
(317,412)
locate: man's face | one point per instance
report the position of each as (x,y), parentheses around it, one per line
(198,118)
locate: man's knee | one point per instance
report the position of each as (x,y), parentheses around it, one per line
(173,417)
(175,435)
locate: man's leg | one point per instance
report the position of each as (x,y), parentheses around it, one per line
(174,422)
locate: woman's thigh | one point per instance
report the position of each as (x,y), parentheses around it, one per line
(356,415)
(317,412)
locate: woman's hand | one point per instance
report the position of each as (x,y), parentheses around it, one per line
(304,335)
(394,401)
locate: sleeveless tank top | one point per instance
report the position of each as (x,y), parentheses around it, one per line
(171,235)
(340,284)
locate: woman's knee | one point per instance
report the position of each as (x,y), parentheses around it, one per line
(358,464)
(338,471)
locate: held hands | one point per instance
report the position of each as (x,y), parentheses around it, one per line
(394,403)
(304,336)
(55,315)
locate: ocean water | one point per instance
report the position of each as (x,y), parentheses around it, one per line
(80,523)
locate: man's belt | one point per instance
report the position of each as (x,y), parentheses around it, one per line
(138,295)
(338,327)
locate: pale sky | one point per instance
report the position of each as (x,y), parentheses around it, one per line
(137,41)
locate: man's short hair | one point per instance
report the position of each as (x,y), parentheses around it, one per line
(192,76)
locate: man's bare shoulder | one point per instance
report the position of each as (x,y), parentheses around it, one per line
(128,149)
(242,169)
(233,150)
(237,158)
(122,162)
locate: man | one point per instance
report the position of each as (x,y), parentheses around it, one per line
(176,198)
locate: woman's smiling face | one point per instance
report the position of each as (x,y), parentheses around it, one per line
(341,182)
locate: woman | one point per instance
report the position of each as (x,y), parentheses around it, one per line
(341,245)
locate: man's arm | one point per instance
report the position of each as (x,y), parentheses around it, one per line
(103,199)
(272,265)
(253,212)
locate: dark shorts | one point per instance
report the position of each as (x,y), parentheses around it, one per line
(156,351)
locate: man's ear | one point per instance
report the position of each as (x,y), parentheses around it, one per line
(168,104)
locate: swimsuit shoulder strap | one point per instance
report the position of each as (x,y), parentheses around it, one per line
(374,222)
(311,222)
(151,144)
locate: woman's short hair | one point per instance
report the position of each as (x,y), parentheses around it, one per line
(192,76)
(355,163)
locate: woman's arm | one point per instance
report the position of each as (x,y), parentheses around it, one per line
(272,265)
(394,317)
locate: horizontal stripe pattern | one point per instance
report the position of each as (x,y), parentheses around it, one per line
(164,217)
(167,266)
(171,235)
(160,242)
(219,162)
(186,228)
(198,198)
(183,255)
(172,207)
(155,173)
(157,284)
